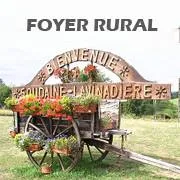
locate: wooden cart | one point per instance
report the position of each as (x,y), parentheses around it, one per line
(85,125)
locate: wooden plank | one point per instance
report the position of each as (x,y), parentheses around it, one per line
(152,161)
(132,90)
(135,156)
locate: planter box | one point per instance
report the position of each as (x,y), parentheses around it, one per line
(64,151)
(85,109)
(34,147)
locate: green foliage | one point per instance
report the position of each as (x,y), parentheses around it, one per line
(174,95)
(86,100)
(166,108)
(99,77)
(82,77)
(138,107)
(1,81)
(104,121)
(5,92)
(66,142)
(66,102)
(165,146)
(72,142)
(6,112)
(22,141)
(10,102)
(146,107)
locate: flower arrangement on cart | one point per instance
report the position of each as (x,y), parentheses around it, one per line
(61,107)
(54,108)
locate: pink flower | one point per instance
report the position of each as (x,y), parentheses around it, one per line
(69,118)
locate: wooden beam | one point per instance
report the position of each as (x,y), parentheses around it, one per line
(131,90)
(152,161)
(132,155)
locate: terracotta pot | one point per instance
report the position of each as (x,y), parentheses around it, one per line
(64,151)
(34,147)
(46,169)
(85,109)
(12,134)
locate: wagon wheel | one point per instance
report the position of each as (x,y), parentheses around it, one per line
(96,147)
(53,128)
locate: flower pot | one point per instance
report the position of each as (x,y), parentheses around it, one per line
(64,151)
(85,109)
(46,169)
(12,134)
(34,147)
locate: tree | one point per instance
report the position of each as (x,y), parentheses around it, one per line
(1,81)
(174,95)
(146,107)
(5,92)
(138,107)
(166,108)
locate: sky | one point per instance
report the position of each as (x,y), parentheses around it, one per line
(155,55)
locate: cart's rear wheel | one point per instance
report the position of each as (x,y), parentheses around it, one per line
(53,128)
(96,152)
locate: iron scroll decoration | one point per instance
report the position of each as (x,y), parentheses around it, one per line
(133,85)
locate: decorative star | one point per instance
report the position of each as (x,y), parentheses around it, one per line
(124,71)
(161,92)
(17,93)
(42,77)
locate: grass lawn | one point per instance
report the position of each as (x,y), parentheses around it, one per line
(156,139)
(5,112)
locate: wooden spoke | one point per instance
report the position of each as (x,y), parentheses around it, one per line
(60,161)
(55,129)
(65,130)
(42,160)
(99,150)
(95,148)
(44,125)
(35,127)
(32,159)
(90,152)
(51,127)
(52,157)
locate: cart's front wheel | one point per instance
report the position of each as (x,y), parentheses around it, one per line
(52,128)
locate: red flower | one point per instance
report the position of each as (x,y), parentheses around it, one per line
(69,118)
(89,68)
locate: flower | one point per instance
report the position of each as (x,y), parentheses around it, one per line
(11,103)
(66,142)
(90,68)
(91,72)
(61,73)
(29,105)
(69,118)
(52,108)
